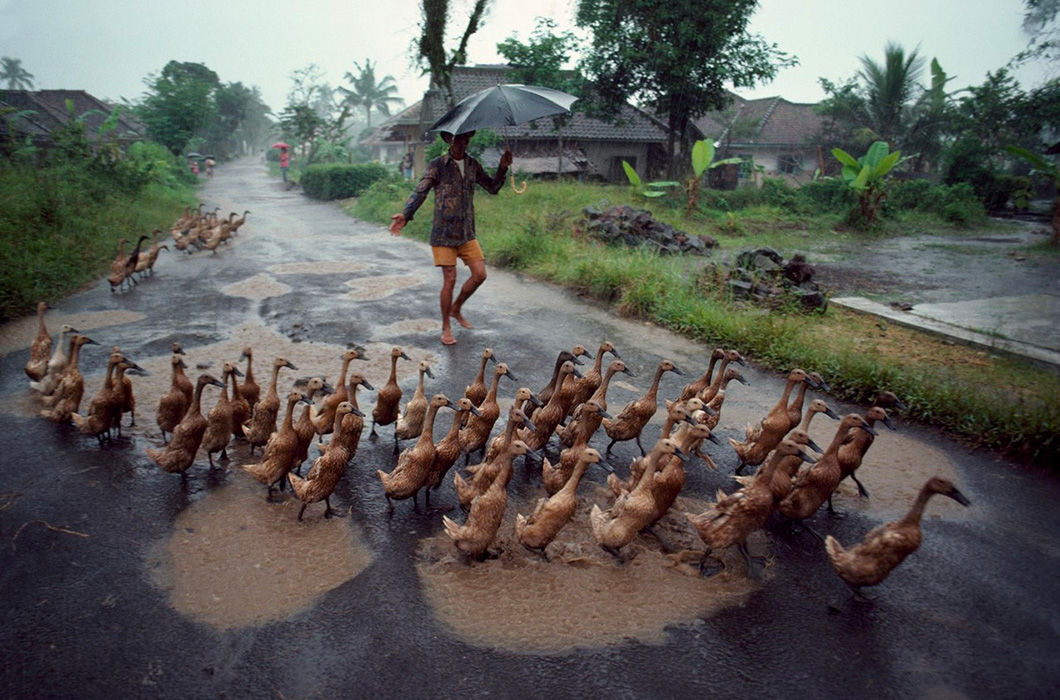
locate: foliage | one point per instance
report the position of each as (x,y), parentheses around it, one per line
(1049,170)
(62,213)
(483,139)
(340,181)
(12,73)
(179,103)
(865,176)
(679,57)
(889,89)
(368,93)
(541,60)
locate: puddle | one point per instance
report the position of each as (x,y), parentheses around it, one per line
(18,335)
(258,287)
(322,267)
(372,288)
(582,597)
(234,560)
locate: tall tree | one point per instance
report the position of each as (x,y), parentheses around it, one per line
(890,88)
(179,103)
(368,93)
(677,56)
(12,73)
(430,47)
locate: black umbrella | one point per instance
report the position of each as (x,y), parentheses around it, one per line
(193,155)
(504,105)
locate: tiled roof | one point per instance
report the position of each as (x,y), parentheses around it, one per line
(49,107)
(767,121)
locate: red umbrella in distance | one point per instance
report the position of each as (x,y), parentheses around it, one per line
(281,144)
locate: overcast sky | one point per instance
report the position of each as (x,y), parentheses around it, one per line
(108,47)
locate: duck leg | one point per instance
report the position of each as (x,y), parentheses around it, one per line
(642,452)
(861,487)
(832,511)
(755,565)
(709,566)
(302,510)
(609,445)
(330,511)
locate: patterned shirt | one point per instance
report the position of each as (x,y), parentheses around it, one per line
(454,205)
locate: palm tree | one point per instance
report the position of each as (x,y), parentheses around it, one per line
(367,93)
(890,89)
(12,72)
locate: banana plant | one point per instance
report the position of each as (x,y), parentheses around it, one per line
(1049,170)
(865,176)
(702,161)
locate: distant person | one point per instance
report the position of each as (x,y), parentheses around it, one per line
(194,167)
(209,167)
(406,165)
(453,177)
(285,163)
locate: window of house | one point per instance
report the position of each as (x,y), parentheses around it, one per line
(790,163)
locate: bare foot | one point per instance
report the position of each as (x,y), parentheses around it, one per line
(447,337)
(460,319)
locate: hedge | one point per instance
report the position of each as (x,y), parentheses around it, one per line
(339,180)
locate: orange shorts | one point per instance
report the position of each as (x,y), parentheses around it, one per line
(447,255)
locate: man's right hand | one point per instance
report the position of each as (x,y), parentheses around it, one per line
(397,222)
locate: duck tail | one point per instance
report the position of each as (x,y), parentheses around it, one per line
(520,525)
(383,477)
(154,455)
(79,420)
(298,484)
(598,521)
(835,550)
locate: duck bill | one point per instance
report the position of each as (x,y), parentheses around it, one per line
(814,446)
(475,411)
(428,372)
(288,365)
(630,372)
(677,370)
(831,414)
(366,385)
(576,373)
(615,353)
(714,438)
(536,401)
(235,371)
(306,400)
(887,421)
(588,354)
(606,466)
(710,411)
(959,497)
(605,414)
(357,412)
(868,429)
(326,389)
(510,376)
(403,355)
(529,425)
(681,454)
(806,458)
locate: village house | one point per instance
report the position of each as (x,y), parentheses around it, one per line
(582,146)
(38,113)
(775,137)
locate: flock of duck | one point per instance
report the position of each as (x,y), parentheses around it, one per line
(194,230)
(552,429)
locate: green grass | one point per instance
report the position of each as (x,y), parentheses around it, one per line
(993,402)
(60,227)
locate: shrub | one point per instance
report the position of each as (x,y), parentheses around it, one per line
(339,180)
(828,194)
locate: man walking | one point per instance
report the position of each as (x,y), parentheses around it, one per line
(453,177)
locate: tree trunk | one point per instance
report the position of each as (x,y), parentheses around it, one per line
(1056,218)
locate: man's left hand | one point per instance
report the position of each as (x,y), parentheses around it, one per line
(506,159)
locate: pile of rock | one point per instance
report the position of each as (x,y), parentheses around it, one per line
(763,276)
(623,224)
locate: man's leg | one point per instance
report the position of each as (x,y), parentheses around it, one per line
(478,276)
(446,298)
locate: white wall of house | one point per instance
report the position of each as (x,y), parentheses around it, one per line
(607,156)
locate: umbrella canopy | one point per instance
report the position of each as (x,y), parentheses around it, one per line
(281,144)
(193,155)
(504,105)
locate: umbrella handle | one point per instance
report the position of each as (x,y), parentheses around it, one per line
(515,189)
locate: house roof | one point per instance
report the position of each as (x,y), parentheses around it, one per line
(50,112)
(631,125)
(771,121)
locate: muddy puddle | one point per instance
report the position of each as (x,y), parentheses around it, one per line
(893,471)
(373,288)
(581,596)
(256,288)
(19,334)
(406,327)
(234,560)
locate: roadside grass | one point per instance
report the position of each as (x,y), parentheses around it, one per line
(987,400)
(60,227)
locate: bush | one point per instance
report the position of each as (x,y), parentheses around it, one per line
(828,194)
(340,181)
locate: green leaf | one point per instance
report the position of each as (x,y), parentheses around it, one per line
(631,175)
(664,183)
(653,193)
(726,161)
(877,152)
(1033,158)
(862,179)
(845,158)
(702,155)
(887,164)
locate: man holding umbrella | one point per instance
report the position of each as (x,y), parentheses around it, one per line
(453,177)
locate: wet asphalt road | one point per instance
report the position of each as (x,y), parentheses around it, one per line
(974,613)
